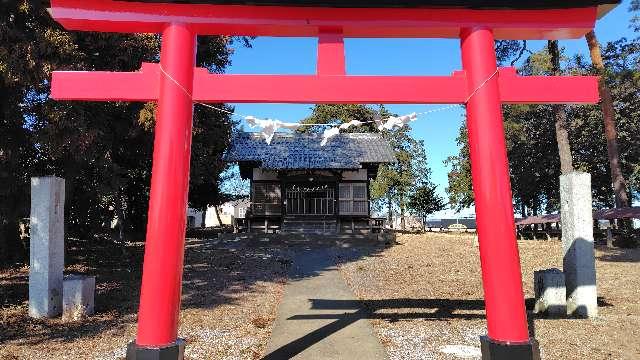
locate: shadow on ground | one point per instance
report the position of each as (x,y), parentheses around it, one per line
(619,255)
(344,316)
(215,270)
(348,312)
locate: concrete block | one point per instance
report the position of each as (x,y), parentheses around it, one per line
(46,247)
(577,242)
(550,293)
(78,296)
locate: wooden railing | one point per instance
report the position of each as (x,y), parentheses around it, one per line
(266,209)
(310,206)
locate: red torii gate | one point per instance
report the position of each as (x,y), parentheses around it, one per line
(176,84)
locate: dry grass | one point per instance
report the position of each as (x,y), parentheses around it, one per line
(226,288)
(261,322)
(425,295)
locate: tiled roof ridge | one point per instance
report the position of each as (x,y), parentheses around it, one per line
(281,134)
(304,150)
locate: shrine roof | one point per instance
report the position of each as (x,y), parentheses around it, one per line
(303,151)
(467,4)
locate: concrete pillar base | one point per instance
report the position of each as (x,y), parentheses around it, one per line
(496,350)
(78,295)
(550,293)
(173,351)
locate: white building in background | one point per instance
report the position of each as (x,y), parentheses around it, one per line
(228,211)
(411,222)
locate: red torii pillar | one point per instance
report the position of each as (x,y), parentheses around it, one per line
(176,84)
(499,258)
(164,250)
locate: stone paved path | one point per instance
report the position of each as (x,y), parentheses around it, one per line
(319,317)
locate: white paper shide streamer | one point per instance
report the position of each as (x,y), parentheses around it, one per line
(328,134)
(331,132)
(269,126)
(383,124)
(398,121)
(351,123)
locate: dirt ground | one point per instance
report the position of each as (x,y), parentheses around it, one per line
(425,298)
(230,295)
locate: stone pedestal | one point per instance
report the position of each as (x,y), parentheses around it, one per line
(577,241)
(46,247)
(173,351)
(78,296)
(495,350)
(550,293)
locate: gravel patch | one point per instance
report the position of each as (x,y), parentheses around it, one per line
(462,351)
(426,300)
(230,295)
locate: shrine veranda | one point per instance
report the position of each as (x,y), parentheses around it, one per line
(176,83)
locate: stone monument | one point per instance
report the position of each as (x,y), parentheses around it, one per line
(46,246)
(577,242)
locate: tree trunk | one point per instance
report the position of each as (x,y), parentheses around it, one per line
(122,224)
(535,226)
(119,207)
(402,211)
(203,218)
(562,138)
(560,115)
(389,211)
(215,207)
(617,179)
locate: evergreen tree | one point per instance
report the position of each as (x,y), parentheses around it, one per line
(531,143)
(102,149)
(425,201)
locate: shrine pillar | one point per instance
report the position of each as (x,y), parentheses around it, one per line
(161,287)
(508,336)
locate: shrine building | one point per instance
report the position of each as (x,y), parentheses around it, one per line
(297,185)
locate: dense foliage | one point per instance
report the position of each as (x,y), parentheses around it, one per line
(103,150)
(531,138)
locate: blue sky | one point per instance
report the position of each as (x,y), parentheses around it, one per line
(391,57)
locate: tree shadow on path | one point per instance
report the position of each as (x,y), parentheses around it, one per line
(215,273)
(430,309)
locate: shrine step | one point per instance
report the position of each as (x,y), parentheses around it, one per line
(309,224)
(306,239)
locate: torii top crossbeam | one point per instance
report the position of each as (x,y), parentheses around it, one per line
(331,25)
(176,83)
(538,19)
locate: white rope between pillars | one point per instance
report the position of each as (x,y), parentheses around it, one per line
(268,127)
